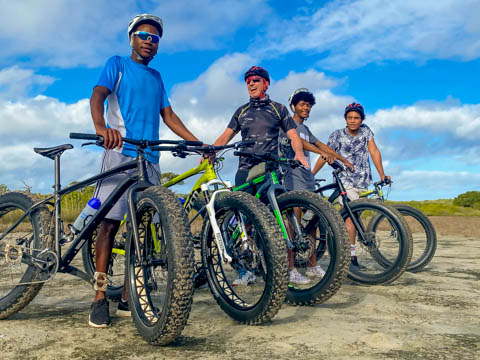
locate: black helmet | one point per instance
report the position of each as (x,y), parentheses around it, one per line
(355,107)
(259,71)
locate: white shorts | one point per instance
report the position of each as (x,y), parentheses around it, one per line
(105,187)
(353,193)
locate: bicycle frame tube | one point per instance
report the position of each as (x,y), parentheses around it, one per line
(339,191)
(208,175)
(271,186)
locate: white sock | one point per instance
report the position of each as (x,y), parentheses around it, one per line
(352,250)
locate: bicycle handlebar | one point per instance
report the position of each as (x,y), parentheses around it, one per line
(382,183)
(142,143)
(269,157)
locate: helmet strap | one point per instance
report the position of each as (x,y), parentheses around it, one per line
(140,57)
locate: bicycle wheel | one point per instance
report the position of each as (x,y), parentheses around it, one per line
(423,233)
(19,282)
(386,249)
(116,265)
(160,270)
(321,240)
(262,252)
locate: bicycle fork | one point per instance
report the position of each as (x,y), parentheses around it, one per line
(210,206)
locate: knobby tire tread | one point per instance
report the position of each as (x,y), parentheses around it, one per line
(275,246)
(42,219)
(180,298)
(340,236)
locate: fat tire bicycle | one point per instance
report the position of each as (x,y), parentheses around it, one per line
(423,231)
(385,244)
(33,233)
(235,227)
(318,224)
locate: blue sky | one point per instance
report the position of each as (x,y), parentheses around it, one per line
(413,65)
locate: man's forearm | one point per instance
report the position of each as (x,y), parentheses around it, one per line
(176,125)
(330,151)
(318,165)
(377,161)
(97,109)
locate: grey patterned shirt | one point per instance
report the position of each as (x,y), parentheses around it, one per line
(355,150)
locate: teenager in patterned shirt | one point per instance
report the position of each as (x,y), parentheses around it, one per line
(355,143)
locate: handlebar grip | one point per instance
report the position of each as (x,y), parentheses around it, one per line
(82,136)
(245,143)
(243,153)
(193,143)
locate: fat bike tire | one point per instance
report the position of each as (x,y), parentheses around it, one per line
(331,246)
(38,235)
(260,301)
(164,263)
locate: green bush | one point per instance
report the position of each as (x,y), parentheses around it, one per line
(467,199)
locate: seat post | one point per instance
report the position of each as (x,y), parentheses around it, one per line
(58,203)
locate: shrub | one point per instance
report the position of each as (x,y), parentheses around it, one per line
(467,199)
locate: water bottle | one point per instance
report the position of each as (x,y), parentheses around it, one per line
(89,210)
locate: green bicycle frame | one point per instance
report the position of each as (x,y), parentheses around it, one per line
(269,184)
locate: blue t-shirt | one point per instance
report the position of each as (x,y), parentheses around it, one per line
(355,150)
(137,96)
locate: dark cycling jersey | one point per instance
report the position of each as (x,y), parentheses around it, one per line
(260,121)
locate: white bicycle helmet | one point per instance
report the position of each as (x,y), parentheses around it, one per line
(145,18)
(298,91)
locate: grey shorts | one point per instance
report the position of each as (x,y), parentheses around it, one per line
(104,188)
(299,179)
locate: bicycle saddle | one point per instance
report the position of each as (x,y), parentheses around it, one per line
(51,152)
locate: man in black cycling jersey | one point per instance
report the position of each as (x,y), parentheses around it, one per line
(259,120)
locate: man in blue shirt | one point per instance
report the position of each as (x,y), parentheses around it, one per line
(136,99)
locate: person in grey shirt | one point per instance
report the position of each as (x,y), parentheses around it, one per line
(301,102)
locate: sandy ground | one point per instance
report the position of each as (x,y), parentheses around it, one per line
(434,314)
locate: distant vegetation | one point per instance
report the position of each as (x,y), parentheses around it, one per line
(466,204)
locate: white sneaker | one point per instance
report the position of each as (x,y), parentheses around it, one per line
(296,278)
(315,271)
(245,279)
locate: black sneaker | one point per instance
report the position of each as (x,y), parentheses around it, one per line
(355,265)
(99,314)
(123,310)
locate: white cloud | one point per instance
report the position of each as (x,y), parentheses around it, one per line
(68,34)
(207,24)
(63,33)
(423,133)
(42,119)
(350,34)
(15,82)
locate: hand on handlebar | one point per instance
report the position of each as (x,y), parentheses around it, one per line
(386,179)
(111,138)
(349,165)
(303,160)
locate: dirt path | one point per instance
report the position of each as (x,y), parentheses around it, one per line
(431,315)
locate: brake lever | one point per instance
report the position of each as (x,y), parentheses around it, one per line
(90,143)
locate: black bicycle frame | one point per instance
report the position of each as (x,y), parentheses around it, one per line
(339,190)
(139,180)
